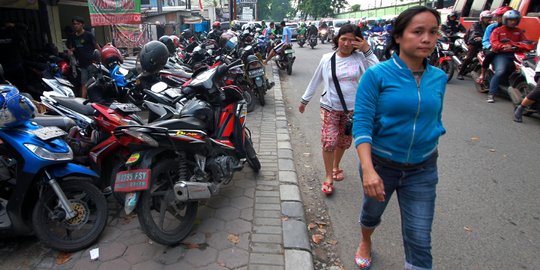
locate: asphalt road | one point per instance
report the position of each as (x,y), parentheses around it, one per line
(487,210)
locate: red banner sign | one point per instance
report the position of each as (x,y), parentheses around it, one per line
(111,12)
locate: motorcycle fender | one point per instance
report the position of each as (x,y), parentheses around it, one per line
(70,169)
(258,81)
(444,58)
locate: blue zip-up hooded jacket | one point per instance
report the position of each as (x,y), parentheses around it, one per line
(400,118)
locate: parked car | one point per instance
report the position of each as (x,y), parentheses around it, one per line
(293,27)
(338,23)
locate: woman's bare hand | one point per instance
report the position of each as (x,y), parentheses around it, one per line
(302,107)
(373,185)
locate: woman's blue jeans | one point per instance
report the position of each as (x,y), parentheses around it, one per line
(416,191)
(503,66)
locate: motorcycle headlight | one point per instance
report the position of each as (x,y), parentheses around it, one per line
(323,32)
(48,155)
(445,46)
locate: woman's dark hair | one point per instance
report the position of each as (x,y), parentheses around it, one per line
(403,20)
(344,29)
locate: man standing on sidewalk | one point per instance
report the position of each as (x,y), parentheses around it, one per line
(81,44)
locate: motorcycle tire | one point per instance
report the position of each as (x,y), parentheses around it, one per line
(91,208)
(289,68)
(248,97)
(322,41)
(518,93)
(251,155)
(448,68)
(312,46)
(159,197)
(260,93)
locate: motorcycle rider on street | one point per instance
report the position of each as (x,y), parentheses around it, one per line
(216,32)
(502,41)
(285,42)
(533,96)
(302,29)
(452,25)
(474,42)
(311,30)
(486,44)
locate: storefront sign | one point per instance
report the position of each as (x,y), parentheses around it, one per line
(130,36)
(111,12)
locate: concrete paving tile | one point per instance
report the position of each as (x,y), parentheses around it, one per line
(232,192)
(293,209)
(273,200)
(298,260)
(267,221)
(267,238)
(114,265)
(265,267)
(245,183)
(264,193)
(266,188)
(238,226)
(227,213)
(111,251)
(201,257)
(179,266)
(286,164)
(170,255)
(288,177)
(242,202)
(220,241)
(290,193)
(110,234)
(267,248)
(244,241)
(211,225)
(213,266)
(86,264)
(205,212)
(142,252)
(267,229)
(247,214)
(249,192)
(285,153)
(195,238)
(133,237)
(147,265)
(218,201)
(268,213)
(267,206)
(233,257)
(265,258)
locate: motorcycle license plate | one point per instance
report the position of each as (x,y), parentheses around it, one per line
(47,133)
(287,51)
(256,73)
(132,180)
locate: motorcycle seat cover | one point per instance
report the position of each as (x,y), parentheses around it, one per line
(62,122)
(187,122)
(79,105)
(178,72)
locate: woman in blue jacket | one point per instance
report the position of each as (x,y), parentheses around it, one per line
(397,125)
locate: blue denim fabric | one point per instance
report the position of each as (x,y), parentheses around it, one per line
(502,63)
(416,191)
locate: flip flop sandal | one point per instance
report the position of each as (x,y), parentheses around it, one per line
(363,264)
(338,175)
(327,188)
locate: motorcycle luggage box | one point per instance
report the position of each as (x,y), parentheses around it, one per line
(79,105)
(181,123)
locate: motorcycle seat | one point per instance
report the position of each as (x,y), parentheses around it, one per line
(187,122)
(177,72)
(79,105)
(62,122)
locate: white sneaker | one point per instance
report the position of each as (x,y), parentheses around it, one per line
(490,99)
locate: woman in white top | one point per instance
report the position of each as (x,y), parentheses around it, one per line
(350,65)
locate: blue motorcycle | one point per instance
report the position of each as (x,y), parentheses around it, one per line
(41,191)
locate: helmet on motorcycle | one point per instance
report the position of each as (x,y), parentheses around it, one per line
(169,43)
(110,54)
(176,40)
(485,14)
(511,15)
(452,14)
(153,56)
(500,11)
(216,25)
(15,109)
(228,41)
(187,33)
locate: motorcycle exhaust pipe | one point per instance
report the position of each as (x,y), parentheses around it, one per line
(190,191)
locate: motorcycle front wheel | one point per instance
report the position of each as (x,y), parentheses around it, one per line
(248,97)
(448,68)
(163,218)
(78,232)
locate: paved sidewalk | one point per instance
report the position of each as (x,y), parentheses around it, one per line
(257,221)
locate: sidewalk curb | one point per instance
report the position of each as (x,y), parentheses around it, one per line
(295,236)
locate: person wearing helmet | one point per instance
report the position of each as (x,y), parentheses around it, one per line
(187,34)
(153,56)
(302,30)
(474,40)
(81,44)
(452,25)
(169,43)
(285,42)
(504,40)
(216,32)
(486,44)
(176,40)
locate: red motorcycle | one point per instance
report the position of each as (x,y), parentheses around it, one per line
(90,139)
(177,162)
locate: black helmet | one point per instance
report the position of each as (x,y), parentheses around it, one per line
(169,43)
(452,14)
(153,56)
(187,34)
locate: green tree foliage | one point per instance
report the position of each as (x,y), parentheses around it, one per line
(316,8)
(355,8)
(275,10)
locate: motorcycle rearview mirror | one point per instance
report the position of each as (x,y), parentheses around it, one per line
(96,55)
(158,87)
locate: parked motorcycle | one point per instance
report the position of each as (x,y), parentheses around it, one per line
(255,73)
(285,59)
(42,191)
(522,81)
(377,43)
(442,58)
(178,162)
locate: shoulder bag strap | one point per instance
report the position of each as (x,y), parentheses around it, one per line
(336,83)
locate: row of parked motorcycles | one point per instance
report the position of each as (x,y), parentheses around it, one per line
(57,168)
